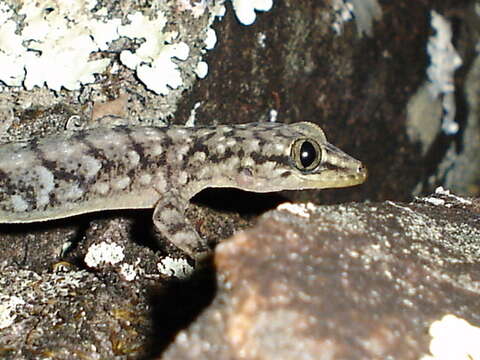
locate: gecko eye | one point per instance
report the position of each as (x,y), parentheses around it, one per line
(306,154)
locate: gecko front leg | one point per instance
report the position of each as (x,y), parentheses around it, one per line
(170,221)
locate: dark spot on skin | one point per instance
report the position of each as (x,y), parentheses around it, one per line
(3,175)
(122,130)
(111,164)
(47,164)
(262,159)
(286,174)
(137,147)
(258,158)
(197,147)
(247,171)
(328,166)
(207,137)
(226,155)
(33,144)
(94,151)
(241,154)
(108,165)
(161,160)
(176,228)
(79,136)
(170,206)
(52,198)
(132,175)
(7,187)
(214,159)
(166,142)
(259,134)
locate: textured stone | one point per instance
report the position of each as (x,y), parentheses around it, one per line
(340,282)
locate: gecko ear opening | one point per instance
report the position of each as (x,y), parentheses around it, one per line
(306,154)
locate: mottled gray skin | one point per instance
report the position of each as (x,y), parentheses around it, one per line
(147,167)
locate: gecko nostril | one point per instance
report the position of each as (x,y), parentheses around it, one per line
(362,170)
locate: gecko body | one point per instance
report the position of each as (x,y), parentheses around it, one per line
(163,168)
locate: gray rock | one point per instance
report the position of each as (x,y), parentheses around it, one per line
(356,281)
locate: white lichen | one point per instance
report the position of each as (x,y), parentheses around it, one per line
(211,39)
(445,192)
(363,11)
(453,338)
(261,37)
(64,46)
(197,8)
(433,201)
(53,45)
(272,115)
(301,210)
(104,253)
(174,267)
(245,9)
(193,114)
(343,12)
(201,69)
(444,60)
(217,10)
(128,271)
(153,59)
(53,34)
(8,306)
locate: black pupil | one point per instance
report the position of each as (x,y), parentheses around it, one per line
(307,154)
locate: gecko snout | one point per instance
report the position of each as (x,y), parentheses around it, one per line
(362,171)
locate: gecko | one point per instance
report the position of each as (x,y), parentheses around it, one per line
(92,170)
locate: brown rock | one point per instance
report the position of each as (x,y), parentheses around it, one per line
(340,282)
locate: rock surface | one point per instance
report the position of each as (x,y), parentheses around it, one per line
(356,281)
(363,280)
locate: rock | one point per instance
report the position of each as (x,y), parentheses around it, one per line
(356,281)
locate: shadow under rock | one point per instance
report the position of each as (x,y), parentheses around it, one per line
(245,203)
(176,305)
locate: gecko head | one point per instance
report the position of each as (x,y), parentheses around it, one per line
(320,165)
(317,164)
(305,160)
